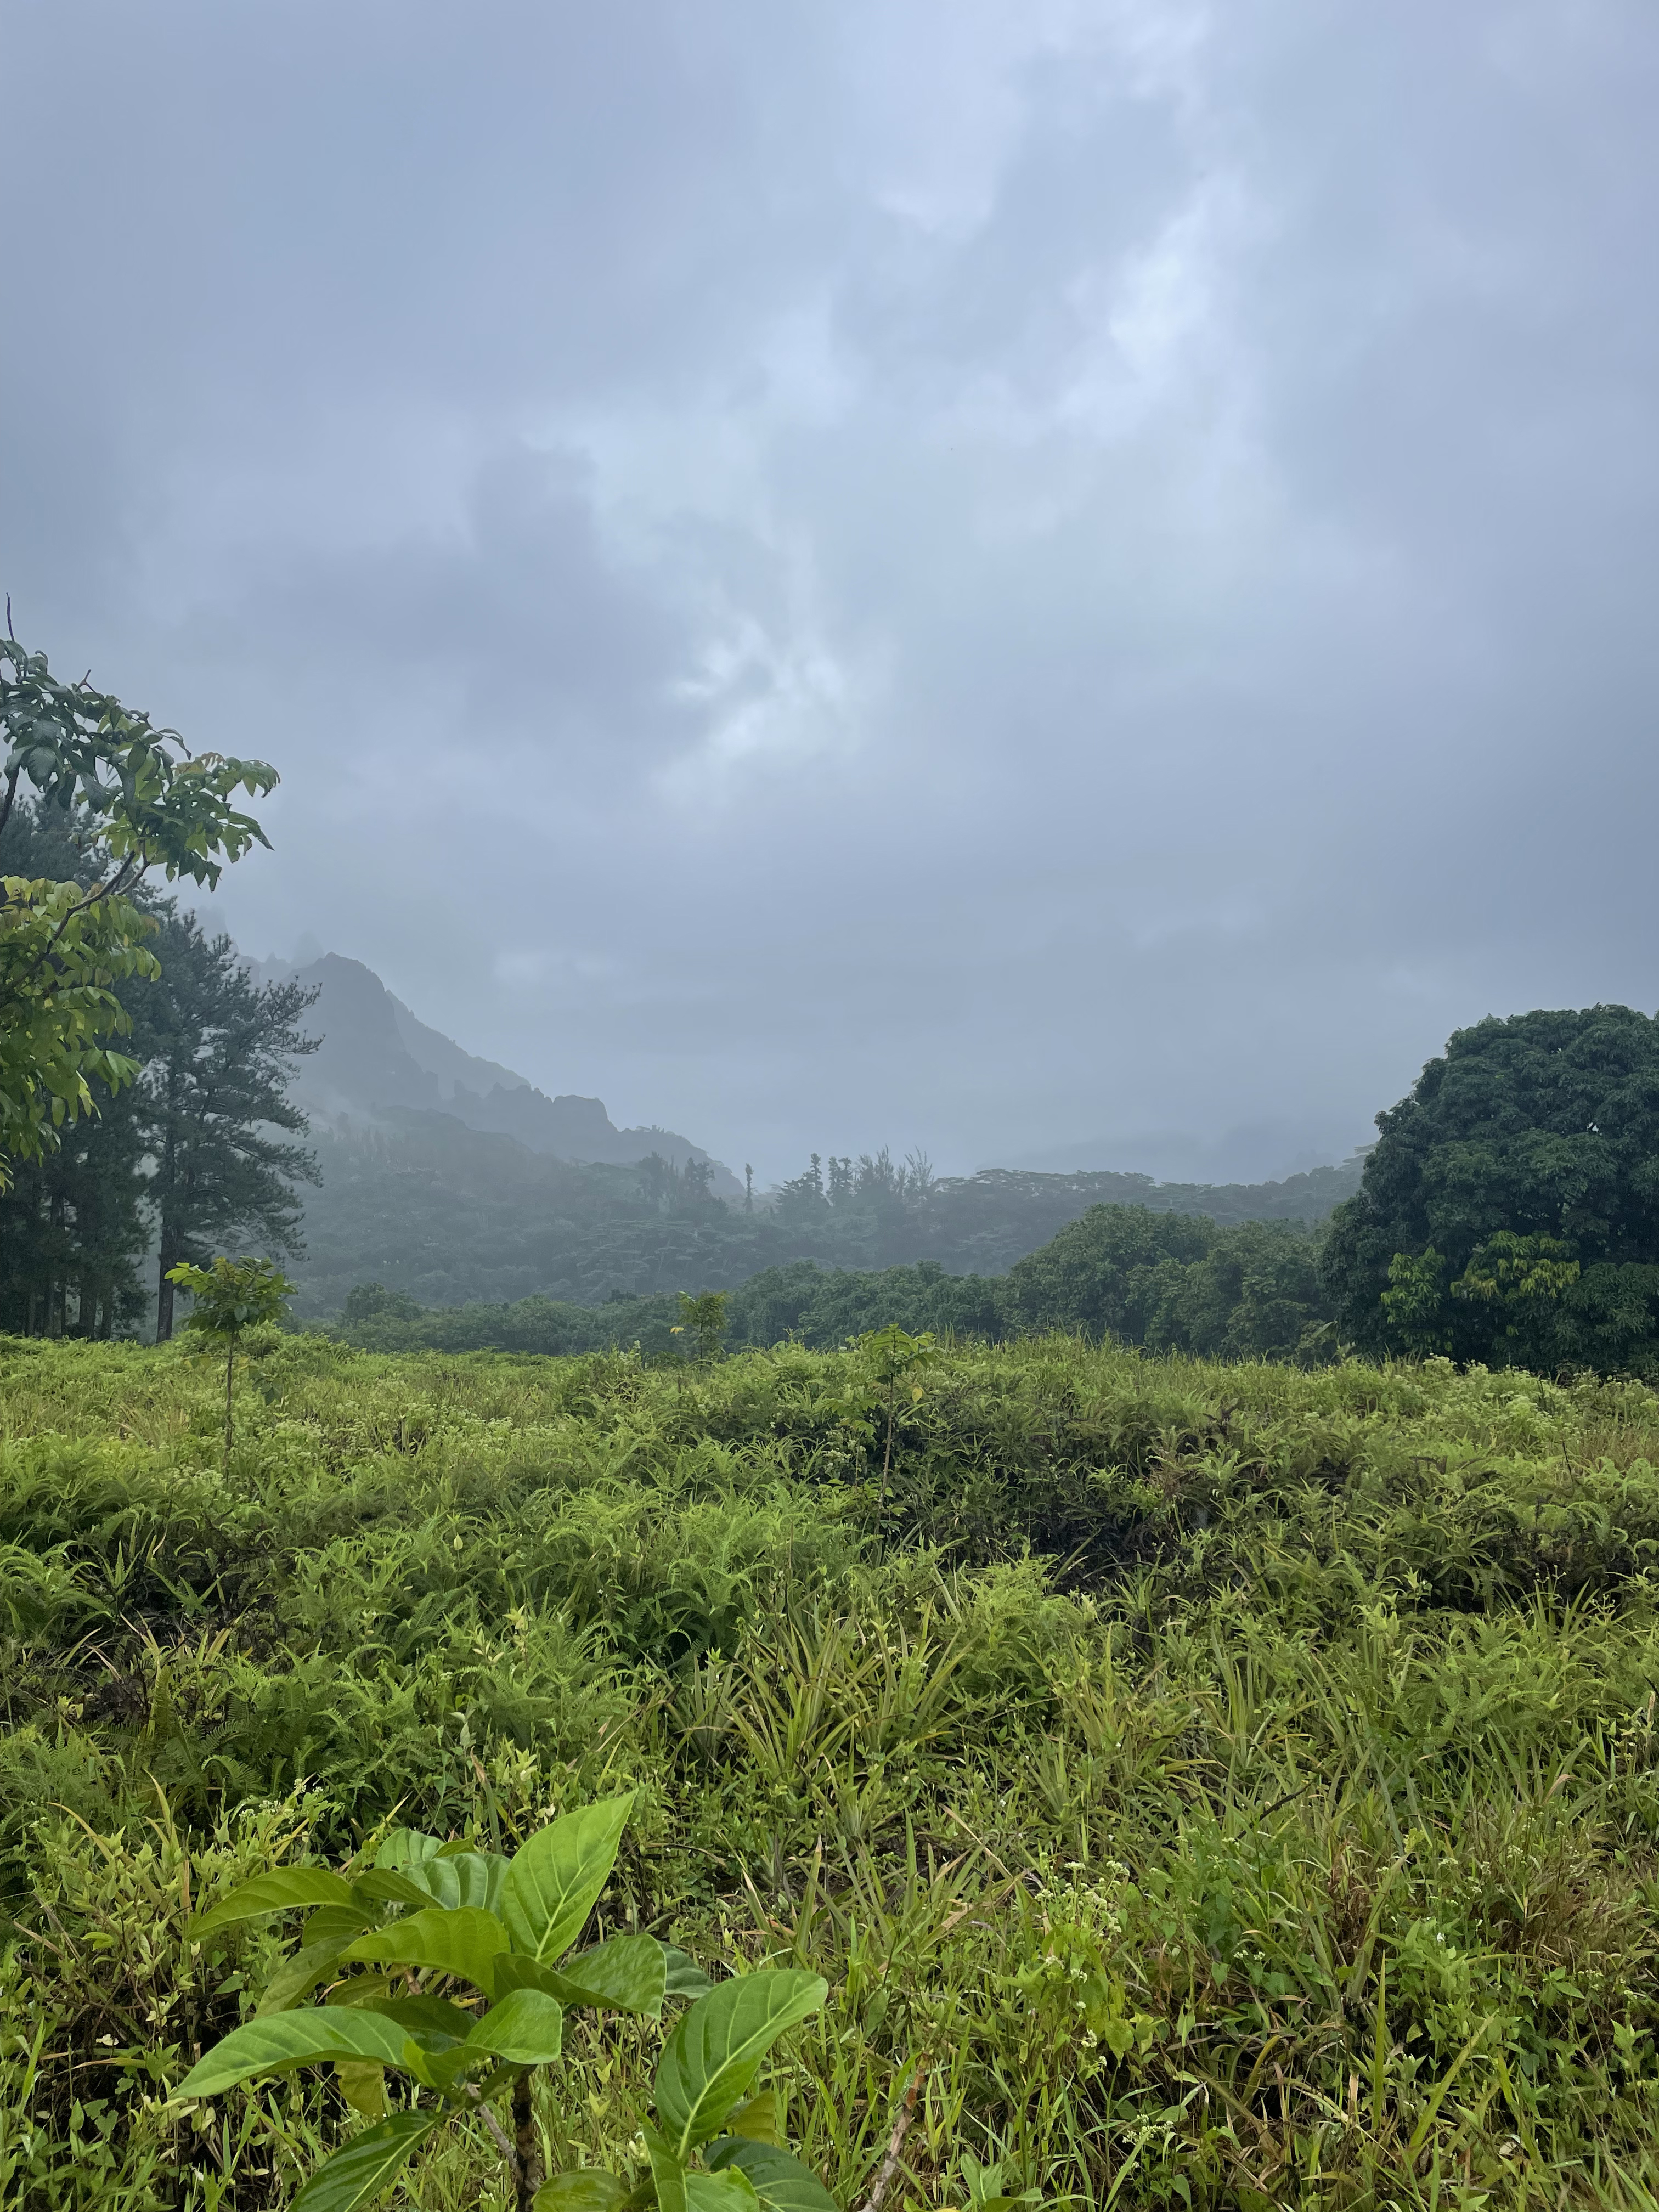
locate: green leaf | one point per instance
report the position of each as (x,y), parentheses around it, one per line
(526,2028)
(782,2183)
(556,1880)
(294,1981)
(588,2189)
(281,1892)
(686,1978)
(391,1886)
(513,1970)
(626,1974)
(719,2192)
(358,2172)
(710,2061)
(362,2084)
(666,2171)
(454,1879)
(757,2119)
(336,1923)
(427,2016)
(462,1942)
(405,1847)
(287,2040)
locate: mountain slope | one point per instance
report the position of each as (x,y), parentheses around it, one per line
(378,1058)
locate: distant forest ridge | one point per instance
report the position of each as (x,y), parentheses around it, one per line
(448,1215)
(453,1179)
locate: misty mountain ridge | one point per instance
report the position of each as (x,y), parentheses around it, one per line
(378,1062)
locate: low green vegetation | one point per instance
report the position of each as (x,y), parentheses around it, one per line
(1212,1786)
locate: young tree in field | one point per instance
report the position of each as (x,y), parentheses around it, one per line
(140,799)
(231,1297)
(218,1050)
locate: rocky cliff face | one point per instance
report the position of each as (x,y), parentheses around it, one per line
(376,1056)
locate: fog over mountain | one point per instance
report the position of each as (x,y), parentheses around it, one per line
(375,1057)
(1030,581)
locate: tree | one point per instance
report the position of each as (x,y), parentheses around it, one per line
(892,1358)
(1110,1274)
(140,800)
(1510,1211)
(1255,1294)
(218,1050)
(703,1322)
(231,1297)
(71,1223)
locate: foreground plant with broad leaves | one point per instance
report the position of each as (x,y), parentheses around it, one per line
(451,1979)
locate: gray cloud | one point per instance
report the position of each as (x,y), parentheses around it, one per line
(1002,579)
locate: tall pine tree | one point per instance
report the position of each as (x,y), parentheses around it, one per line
(217,1050)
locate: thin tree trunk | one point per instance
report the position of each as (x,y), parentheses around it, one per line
(230,1376)
(164,1301)
(529,2177)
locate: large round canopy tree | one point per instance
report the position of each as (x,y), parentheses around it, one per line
(1510,1210)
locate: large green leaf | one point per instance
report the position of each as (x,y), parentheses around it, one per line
(526,2028)
(358,2172)
(294,1981)
(405,1847)
(462,1942)
(586,2188)
(287,2040)
(667,2170)
(338,1923)
(556,1880)
(710,2061)
(279,1892)
(719,2192)
(513,1970)
(626,1974)
(782,2183)
(458,1878)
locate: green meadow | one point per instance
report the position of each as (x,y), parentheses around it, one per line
(1223,1785)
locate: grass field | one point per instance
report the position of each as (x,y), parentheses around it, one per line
(1232,1785)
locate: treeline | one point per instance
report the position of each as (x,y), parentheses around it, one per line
(196,1154)
(449,1215)
(1170,1282)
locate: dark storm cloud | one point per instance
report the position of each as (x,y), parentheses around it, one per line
(1005,579)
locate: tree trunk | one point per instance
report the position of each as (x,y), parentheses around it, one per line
(529,2177)
(164,1303)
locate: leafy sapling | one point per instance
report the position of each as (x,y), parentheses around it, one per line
(232,1295)
(893,1356)
(703,1322)
(452,1968)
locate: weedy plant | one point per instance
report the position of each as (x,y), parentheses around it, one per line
(448,1966)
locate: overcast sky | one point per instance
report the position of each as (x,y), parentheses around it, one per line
(1070,583)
